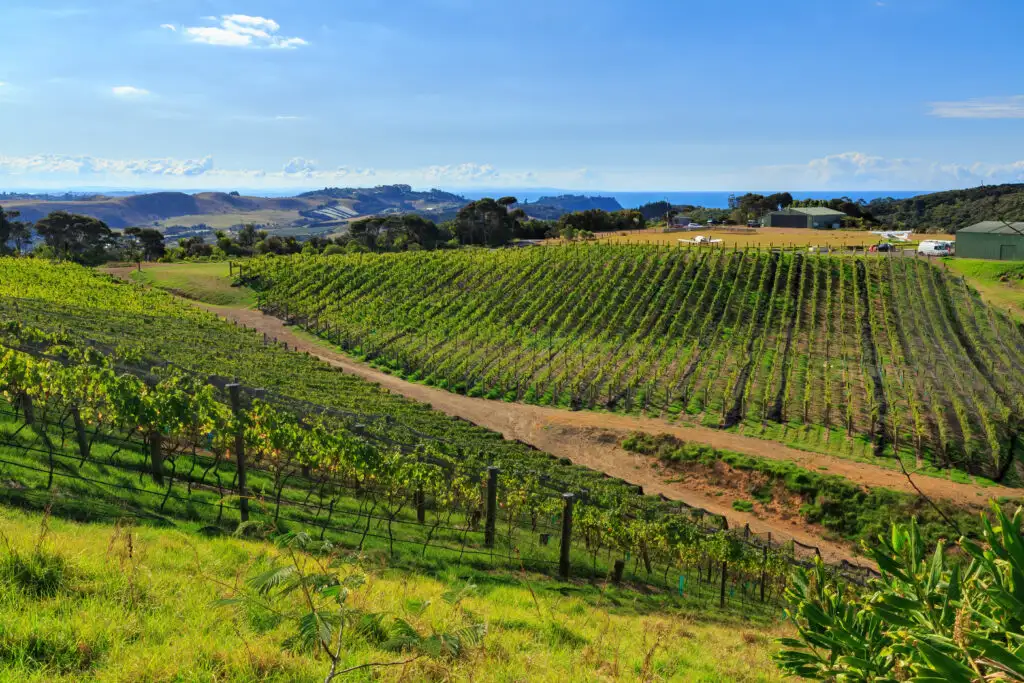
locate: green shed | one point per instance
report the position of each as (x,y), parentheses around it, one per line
(804,217)
(994,240)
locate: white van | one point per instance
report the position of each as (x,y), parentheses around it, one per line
(935,248)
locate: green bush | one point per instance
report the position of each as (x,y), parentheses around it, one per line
(924,619)
(743,506)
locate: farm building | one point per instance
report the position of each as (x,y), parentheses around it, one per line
(996,240)
(806,217)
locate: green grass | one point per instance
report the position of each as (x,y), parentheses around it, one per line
(222,221)
(1000,283)
(138,604)
(208,283)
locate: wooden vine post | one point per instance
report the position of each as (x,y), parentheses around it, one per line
(234,391)
(492,507)
(725,569)
(566,547)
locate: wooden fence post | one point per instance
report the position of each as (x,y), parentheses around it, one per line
(492,506)
(83,442)
(243,495)
(420,500)
(566,547)
(620,565)
(725,571)
(156,456)
(764,569)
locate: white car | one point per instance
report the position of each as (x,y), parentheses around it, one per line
(935,248)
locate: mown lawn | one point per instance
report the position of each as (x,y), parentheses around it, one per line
(122,603)
(1001,283)
(209,283)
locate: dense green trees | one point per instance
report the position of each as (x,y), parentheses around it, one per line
(396,233)
(74,237)
(596,220)
(485,222)
(953,210)
(150,242)
(14,234)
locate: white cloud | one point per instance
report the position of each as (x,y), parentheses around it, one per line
(856,170)
(462,172)
(300,166)
(129,91)
(982,108)
(241,30)
(44,164)
(169,27)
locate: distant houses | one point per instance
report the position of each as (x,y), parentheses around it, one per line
(995,240)
(806,217)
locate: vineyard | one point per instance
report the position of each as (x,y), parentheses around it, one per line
(121,401)
(892,352)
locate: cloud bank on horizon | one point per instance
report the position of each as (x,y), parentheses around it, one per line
(455,94)
(851,170)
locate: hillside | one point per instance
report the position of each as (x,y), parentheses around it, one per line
(147,209)
(127,602)
(552,208)
(823,347)
(953,210)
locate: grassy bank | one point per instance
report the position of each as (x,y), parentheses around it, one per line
(116,603)
(205,282)
(1000,283)
(849,511)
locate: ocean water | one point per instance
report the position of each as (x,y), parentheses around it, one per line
(711,200)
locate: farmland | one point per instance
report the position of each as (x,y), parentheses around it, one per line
(766,238)
(844,347)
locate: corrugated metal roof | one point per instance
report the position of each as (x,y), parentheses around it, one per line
(810,211)
(997,228)
(818,211)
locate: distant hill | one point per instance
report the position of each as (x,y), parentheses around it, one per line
(146,209)
(433,204)
(311,210)
(552,208)
(951,210)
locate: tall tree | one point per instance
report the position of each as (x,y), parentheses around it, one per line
(75,237)
(485,222)
(7,229)
(151,242)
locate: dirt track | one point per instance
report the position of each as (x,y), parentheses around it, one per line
(591,439)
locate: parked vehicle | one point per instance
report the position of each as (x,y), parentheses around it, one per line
(935,248)
(883,247)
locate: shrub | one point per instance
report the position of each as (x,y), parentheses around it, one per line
(743,506)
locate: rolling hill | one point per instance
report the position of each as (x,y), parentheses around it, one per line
(159,207)
(952,210)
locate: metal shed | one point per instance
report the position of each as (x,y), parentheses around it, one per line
(804,217)
(994,240)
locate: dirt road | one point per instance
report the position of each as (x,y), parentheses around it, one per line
(591,439)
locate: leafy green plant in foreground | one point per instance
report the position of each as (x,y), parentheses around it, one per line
(930,617)
(324,618)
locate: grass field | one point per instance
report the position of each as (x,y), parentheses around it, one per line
(206,282)
(767,237)
(223,221)
(1000,283)
(120,603)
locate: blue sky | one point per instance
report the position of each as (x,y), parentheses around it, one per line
(577,94)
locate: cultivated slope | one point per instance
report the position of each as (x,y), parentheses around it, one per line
(890,350)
